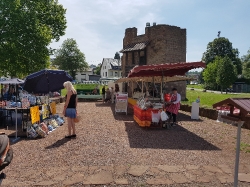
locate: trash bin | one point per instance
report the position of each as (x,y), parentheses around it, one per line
(195,110)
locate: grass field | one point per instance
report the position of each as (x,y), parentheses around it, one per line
(208,99)
(197,86)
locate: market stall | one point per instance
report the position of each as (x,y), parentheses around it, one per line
(38,110)
(147,107)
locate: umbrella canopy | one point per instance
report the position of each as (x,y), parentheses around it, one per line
(46,81)
(169,69)
(12,81)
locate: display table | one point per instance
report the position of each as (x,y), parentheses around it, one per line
(143,117)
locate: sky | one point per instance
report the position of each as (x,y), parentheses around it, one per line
(98,26)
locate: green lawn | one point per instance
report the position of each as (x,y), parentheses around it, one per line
(197,86)
(208,99)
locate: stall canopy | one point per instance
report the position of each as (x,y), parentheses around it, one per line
(169,69)
(12,81)
(46,81)
(156,79)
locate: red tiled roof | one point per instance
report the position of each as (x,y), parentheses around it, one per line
(134,47)
(169,69)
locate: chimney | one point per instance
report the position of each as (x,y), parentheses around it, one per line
(154,24)
(147,24)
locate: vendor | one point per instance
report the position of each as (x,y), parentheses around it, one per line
(173,106)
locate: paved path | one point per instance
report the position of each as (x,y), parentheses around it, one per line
(134,175)
(211,91)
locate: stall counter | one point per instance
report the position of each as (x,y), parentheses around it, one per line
(143,117)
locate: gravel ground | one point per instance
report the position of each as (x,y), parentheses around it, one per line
(104,138)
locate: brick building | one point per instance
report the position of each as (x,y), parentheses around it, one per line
(160,44)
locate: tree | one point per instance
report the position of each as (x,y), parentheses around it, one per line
(222,47)
(226,72)
(209,75)
(98,70)
(117,56)
(27,27)
(70,58)
(246,65)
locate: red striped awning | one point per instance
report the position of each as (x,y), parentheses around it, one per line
(169,69)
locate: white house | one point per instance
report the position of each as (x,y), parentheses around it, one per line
(84,75)
(111,68)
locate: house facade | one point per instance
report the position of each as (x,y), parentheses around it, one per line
(159,45)
(84,75)
(111,68)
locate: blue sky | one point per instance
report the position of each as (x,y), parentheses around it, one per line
(98,26)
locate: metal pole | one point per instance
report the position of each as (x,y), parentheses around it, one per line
(17,138)
(236,169)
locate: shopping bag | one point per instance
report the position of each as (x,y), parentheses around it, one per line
(77,119)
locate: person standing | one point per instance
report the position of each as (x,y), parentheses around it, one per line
(69,110)
(173,105)
(103,93)
(112,91)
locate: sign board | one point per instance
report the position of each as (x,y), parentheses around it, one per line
(121,104)
(35,114)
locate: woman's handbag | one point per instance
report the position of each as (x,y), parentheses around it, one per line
(77,119)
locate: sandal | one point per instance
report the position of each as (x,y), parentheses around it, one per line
(73,136)
(68,136)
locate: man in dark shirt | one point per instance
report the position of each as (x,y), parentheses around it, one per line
(103,94)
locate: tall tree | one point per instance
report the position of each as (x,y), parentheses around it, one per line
(98,70)
(117,56)
(246,65)
(27,27)
(222,47)
(70,58)
(209,75)
(226,72)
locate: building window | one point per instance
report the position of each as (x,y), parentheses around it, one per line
(116,74)
(106,74)
(111,73)
(103,74)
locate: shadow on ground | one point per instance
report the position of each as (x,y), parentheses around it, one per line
(176,138)
(58,143)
